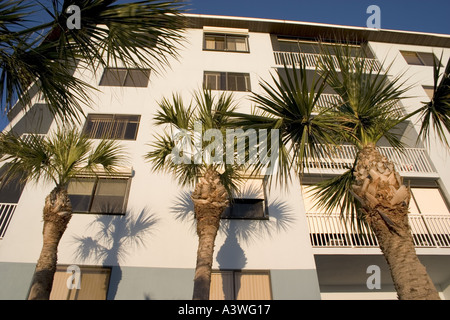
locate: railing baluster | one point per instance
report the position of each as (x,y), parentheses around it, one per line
(412,161)
(311,60)
(6,213)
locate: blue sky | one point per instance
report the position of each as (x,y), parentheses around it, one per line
(412,15)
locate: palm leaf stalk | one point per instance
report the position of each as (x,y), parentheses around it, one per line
(290,104)
(57,159)
(214,180)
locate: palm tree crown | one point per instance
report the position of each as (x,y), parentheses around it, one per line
(179,150)
(140,34)
(62,156)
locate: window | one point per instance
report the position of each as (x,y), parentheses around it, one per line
(249,203)
(87,283)
(122,77)
(240,285)
(11,188)
(229,81)
(225,42)
(99,195)
(419,58)
(112,126)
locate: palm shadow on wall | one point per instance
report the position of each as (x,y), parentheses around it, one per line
(231,255)
(116,237)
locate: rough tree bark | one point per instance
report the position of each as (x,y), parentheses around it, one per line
(210,200)
(385,201)
(56,214)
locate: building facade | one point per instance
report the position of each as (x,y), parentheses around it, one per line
(284,249)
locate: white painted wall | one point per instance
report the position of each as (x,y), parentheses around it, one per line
(172,242)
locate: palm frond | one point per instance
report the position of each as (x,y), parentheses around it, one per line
(435,115)
(332,195)
(369,108)
(42,57)
(28,158)
(135,34)
(290,104)
(181,152)
(174,112)
(60,157)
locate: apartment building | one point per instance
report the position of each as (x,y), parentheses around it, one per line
(274,245)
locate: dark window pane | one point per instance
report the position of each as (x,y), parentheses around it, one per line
(80,194)
(109,196)
(245,209)
(137,78)
(237,43)
(113,77)
(237,82)
(11,190)
(112,126)
(215,42)
(412,58)
(223,81)
(227,81)
(130,131)
(289,46)
(118,129)
(427,58)
(212,80)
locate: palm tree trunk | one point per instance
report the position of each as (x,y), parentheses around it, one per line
(210,200)
(57,213)
(385,201)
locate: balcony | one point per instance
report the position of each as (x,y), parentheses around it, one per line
(6,213)
(330,231)
(412,162)
(330,100)
(311,60)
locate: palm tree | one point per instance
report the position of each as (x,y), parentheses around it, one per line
(214,180)
(371,191)
(141,34)
(57,159)
(372,188)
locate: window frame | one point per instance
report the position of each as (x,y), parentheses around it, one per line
(228,212)
(243,272)
(94,190)
(113,119)
(225,39)
(72,294)
(123,83)
(421,59)
(223,76)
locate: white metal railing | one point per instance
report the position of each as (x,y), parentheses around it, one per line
(26,137)
(328,100)
(311,60)
(331,100)
(410,161)
(6,213)
(330,230)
